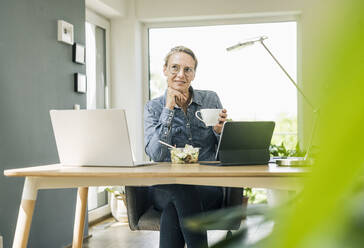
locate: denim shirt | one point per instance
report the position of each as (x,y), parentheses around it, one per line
(177,128)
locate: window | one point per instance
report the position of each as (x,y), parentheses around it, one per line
(97,33)
(96,66)
(249,83)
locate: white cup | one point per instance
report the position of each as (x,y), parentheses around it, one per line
(209,116)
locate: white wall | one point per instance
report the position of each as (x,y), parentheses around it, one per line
(129,63)
(107,8)
(126,74)
(157,9)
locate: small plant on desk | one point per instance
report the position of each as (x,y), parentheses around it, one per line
(282,151)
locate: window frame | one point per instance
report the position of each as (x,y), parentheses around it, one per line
(228,20)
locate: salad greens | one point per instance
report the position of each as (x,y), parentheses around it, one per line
(187,154)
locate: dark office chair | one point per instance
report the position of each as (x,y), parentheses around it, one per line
(143,216)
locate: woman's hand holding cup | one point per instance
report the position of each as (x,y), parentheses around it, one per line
(212,117)
(222,120)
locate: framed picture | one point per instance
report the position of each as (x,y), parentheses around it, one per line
(78,53)
(65,32)
(80,83)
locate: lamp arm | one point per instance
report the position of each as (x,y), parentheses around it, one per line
(290,78)
(316,113)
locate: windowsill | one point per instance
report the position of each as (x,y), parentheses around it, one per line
(98,214)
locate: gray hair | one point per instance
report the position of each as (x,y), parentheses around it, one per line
(180,49)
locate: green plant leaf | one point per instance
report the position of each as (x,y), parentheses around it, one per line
(225,216)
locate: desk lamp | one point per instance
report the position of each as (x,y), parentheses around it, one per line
(293,161)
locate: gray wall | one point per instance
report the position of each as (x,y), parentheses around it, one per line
(36,75)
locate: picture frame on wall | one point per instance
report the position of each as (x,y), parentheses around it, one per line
(79,53)
(65,32)
(80,83)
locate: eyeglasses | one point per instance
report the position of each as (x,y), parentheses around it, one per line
(174,69)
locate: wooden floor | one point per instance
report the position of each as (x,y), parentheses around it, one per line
(112,234)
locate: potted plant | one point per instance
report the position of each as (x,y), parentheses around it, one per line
(117,202)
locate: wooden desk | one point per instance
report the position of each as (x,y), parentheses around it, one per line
(57,176)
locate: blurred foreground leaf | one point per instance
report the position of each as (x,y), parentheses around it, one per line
(329,213)
(321,219)
(214,219)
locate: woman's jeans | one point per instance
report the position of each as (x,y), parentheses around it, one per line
(178,202)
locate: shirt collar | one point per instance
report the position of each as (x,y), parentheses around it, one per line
(196,96)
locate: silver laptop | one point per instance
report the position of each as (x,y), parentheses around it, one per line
(93,138)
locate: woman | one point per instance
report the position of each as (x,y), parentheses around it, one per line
(171,118)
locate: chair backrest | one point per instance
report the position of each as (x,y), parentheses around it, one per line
(137,203)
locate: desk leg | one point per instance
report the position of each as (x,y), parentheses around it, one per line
(25,215)
(80,217)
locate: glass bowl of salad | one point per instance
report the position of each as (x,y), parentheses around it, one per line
(184,155)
